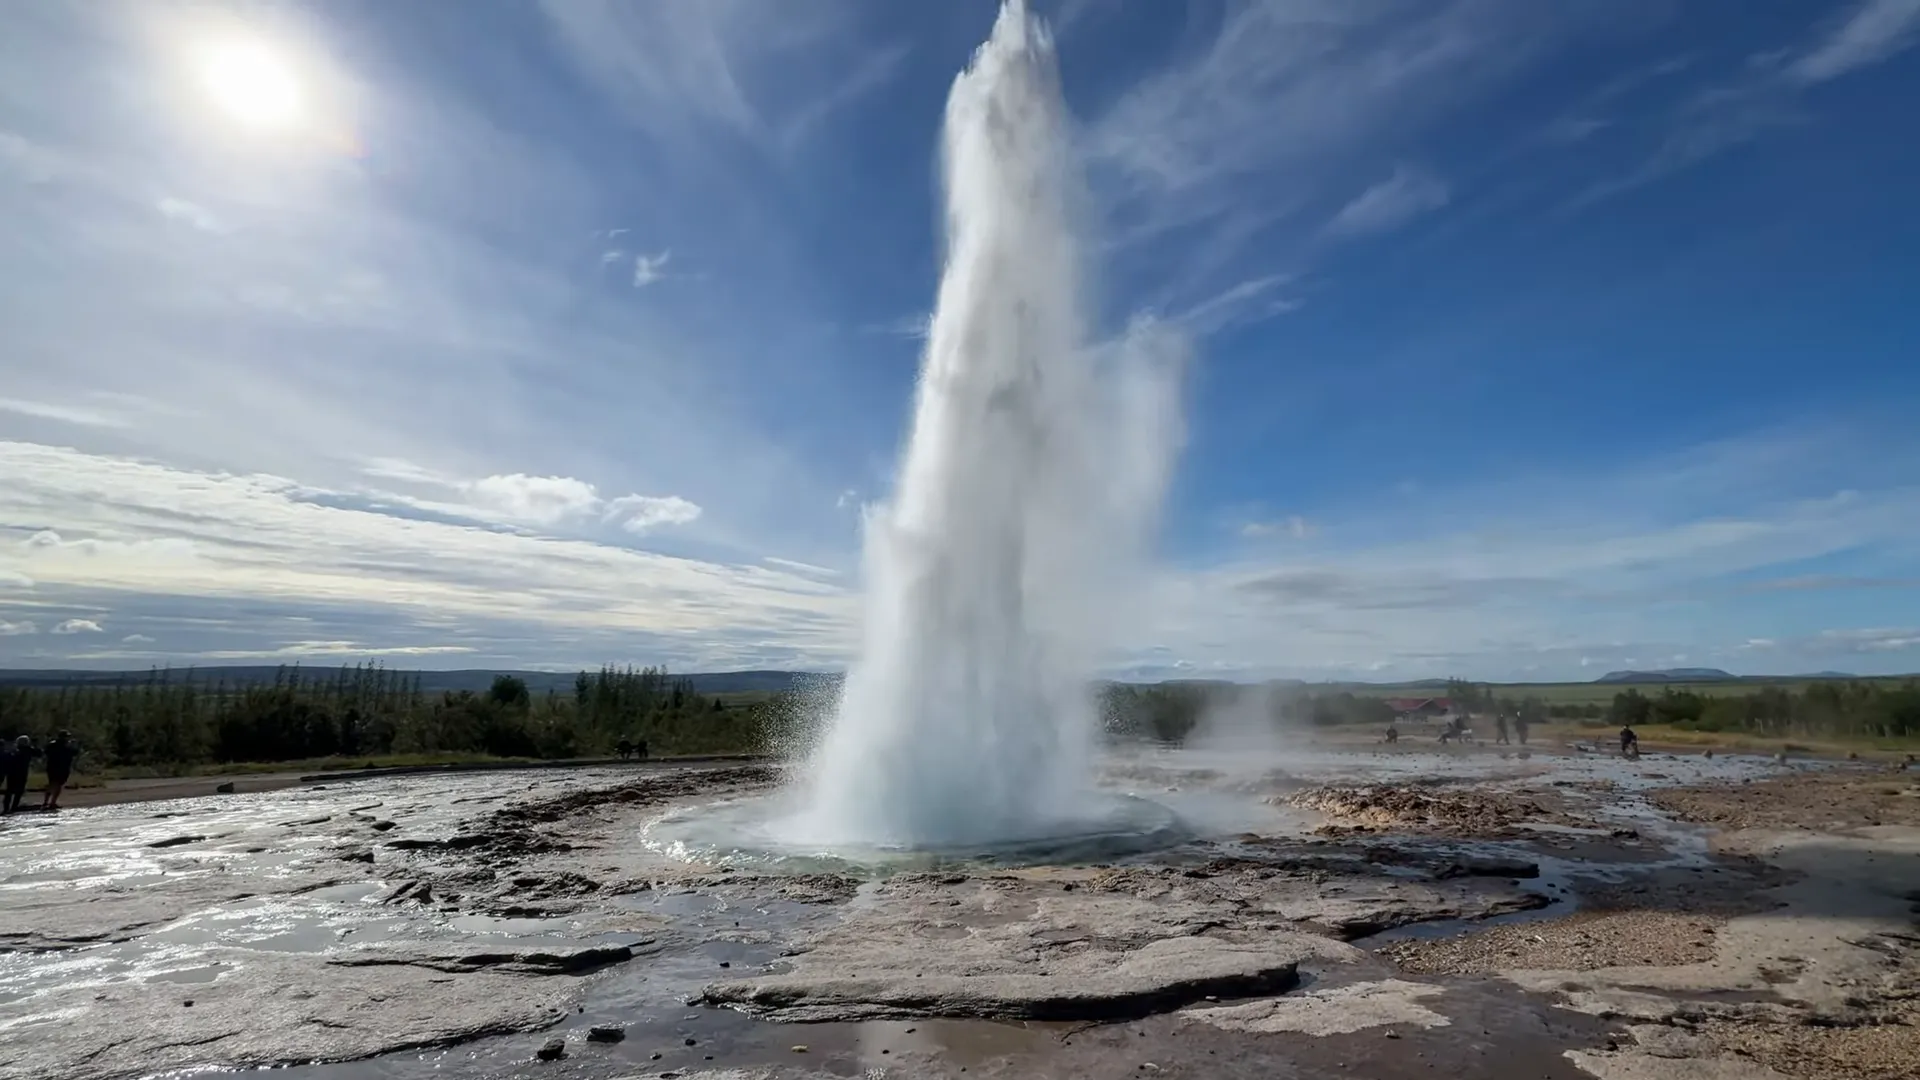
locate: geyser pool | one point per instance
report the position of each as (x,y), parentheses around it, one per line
(1034,470)
(757,832)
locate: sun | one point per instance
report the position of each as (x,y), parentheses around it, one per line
(253,85)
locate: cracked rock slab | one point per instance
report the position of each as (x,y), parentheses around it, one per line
(66,917)
(271,1009)
(981,951)
(1341,1010)
(572,961)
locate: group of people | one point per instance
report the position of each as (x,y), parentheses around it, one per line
(1518,726)
(16,761)
(1456,730)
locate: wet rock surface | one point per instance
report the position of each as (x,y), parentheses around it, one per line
(1471,915)
(286,1009)
(1395,1005)
(1015,950)
(577,961)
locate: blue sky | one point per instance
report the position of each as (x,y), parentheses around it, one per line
(1533,340)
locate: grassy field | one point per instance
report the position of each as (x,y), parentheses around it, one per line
(740,699)
(85,778)
(325,764)
(308,765)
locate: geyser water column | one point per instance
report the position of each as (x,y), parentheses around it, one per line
(1035,466)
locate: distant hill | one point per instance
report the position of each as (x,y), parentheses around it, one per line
(1675,675)
(432,682)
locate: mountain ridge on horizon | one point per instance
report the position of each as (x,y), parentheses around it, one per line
(772,680)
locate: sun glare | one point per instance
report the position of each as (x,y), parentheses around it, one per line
(252,85)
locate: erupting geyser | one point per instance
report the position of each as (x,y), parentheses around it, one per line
(1035,467)
(997,575)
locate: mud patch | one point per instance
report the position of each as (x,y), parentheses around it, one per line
(1832,799)
(1428,807)
(1584,941)
(1885,1050)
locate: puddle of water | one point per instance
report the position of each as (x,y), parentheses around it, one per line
(205,973)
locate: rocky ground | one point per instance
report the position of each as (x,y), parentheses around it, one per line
(1499,918)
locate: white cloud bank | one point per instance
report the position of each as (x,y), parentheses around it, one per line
(643,513)
(538,501)
(145,529)
(1549,573)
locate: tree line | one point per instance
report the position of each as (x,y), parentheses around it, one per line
(1881,710)
(175,719)
(1171,712)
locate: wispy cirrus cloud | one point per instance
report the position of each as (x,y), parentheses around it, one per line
(1293,525)
(1597,110)
(768,73)
(799,567)
(1391,203)
(1873,639)
(1857,642)
(1244,303)
(1768,92)
(66,414)
(324,649)
(1299,89)
(648,269)
(1873,32)
(1220,167)
(914,327)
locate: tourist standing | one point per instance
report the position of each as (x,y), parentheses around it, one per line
(1500,729)
(18,762)
(60,754)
